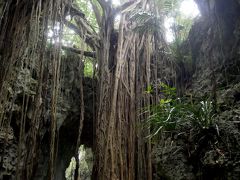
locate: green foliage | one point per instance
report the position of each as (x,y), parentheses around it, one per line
(163,115)
(180,30)
(181,27)
(181,23)
(171,111)
(88,68)
(86,8)
(145,21)
(202,114)
(152,21)
(149,89)
(167,7)
(70,38)
(167,90)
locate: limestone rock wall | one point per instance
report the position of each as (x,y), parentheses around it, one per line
(211,153)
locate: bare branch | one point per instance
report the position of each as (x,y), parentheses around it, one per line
(83,27)
(86,37)
(74,11)
(103,4)
(127,6)
(78,51)
(78,14)
(97,13)
(123,7)
(82,23)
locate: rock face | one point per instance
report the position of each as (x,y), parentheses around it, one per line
(8,154)
(68,117)
(69,113)
(85,165)
(214,43)
(211,153)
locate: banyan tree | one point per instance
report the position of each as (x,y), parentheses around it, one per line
(127,57)
(90,89)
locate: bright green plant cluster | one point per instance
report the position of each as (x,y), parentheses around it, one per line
(88,68)
(171,111)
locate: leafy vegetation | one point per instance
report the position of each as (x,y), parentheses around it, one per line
(86,7)
(88,68)
(180,29)
(172,111)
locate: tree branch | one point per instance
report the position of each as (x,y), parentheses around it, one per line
(83,28)
(82,23)
(97,13)
(126,6)
(81,16)
(74,11)
(78,51)
(86,37)
(103,4)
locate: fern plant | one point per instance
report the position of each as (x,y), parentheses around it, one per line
(172,111)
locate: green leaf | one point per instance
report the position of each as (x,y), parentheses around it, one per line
(149,89)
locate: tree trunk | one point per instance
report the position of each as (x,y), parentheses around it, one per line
(121,91)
